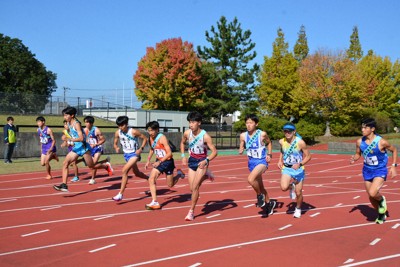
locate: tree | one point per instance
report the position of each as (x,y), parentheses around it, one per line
(381,81)
(278,78)
(301,49)
(354,52)
(231,52)
(329,87)
(25,84)
(167,76)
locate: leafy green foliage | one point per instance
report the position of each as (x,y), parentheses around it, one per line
(301,49)
(354,52)
(168,76)
(230,53)
(22,78)
(278,78)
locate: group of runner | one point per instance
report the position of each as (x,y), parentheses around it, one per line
(292,159)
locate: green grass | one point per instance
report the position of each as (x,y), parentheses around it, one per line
(52,120)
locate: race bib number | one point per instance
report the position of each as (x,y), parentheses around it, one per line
(291,160)
(160,153)
(372,161)
(254,153)
(92,141)
(197,149)
(44,140)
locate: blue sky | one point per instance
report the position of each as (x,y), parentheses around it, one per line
(94,45)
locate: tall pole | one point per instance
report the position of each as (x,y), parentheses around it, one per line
(65,92)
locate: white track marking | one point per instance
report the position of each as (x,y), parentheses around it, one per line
(212,216)
(356,197)
(348,261)
(396,225)
(315,214)
(376,240)
(35,233)
(103,217)
(286,226)
(98,249)
(51,208)
(371,260)
(7,199)
(195,265)
(248,206)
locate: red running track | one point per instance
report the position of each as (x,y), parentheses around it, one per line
(42,227)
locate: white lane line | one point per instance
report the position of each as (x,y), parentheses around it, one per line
(375,241)
(286,226)
(348,261)
(394,182)
(222,192)
(396,225)
(315,214)
(51,208)
(103,217)
(35,233)
(162,230)
(195,265)
(356,197)
(371,260)
(7,199)
(98,249)
(194,225)
(104,199)
(338,205)
(212,216)
(248,206)
(335,181)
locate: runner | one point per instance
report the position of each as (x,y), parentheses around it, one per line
(254,141)
(48,145)
(294,155)
(199,162)
(159,146)
(373,148)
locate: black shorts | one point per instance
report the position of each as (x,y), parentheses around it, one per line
(166,167)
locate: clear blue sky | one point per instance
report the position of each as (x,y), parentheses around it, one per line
(94,45)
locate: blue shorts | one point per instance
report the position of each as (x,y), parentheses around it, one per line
(128,156)
(80,149)
(194,163)
(369,174)
(96,149)
(298,174)
(254,162)
(166,167)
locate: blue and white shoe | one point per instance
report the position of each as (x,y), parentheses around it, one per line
(75,179)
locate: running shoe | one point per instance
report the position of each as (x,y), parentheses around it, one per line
(180,173)
(270,207)
(292,192)
(154,205)
(190,216)
(260,200)
(381,219)
(118,197)
(382,206)
(210,175)
(75,179)
(62,187)
(297,213)
(109,169)
(92,181)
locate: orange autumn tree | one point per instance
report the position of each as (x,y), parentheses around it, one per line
(167,77)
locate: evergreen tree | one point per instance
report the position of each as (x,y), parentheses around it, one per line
(25,84)
(301,49)
(231,52)
(354,52)
(278,78)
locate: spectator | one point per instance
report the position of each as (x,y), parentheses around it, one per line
(10,139)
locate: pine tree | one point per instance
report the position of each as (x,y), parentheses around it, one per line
(231,52)
(354,52)
(301,49)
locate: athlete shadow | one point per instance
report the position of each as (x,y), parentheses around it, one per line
(369,212)
(218,205)
(177,198)
(305,207)
(111,187)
